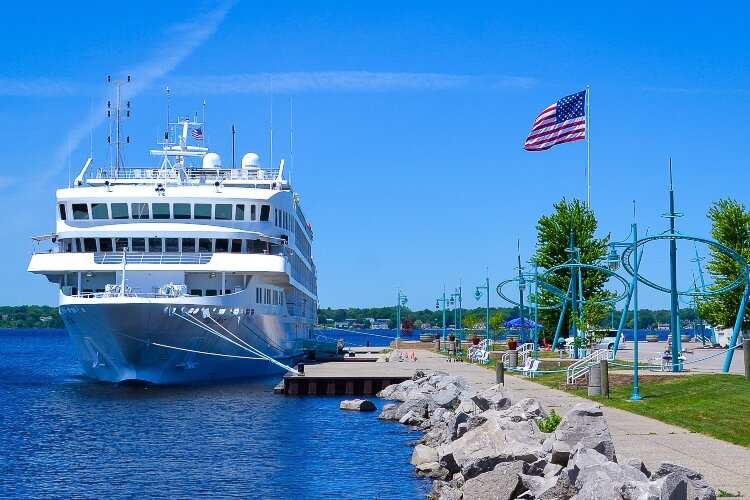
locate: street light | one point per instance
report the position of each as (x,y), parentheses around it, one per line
(478,295)
(613,261)
(437,306)
(401,300)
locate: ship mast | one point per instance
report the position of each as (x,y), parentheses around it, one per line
(118,119)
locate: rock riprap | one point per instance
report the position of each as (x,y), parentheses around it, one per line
(487,445)
(358,405)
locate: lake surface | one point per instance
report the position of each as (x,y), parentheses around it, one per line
(62,435)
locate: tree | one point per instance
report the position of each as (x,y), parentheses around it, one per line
(731,227)
(407,327)
(496,321)
(553,238)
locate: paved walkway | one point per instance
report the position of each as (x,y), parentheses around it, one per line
(726,466)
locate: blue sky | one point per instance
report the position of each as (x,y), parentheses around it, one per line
(409,121)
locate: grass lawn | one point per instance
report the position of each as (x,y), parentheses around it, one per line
(713,404)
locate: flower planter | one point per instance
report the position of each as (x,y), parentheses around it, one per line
(475,340)
(512,344)
(437,336)
(451,337)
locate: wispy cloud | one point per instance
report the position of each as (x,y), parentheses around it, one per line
(163,61)
(342,81)
(39,87)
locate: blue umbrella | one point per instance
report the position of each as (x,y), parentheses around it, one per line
(516,323)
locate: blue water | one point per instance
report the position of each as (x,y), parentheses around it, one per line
(62,435)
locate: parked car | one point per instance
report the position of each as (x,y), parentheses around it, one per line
(608,343)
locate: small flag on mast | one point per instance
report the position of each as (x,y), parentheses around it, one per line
(197,134)
(563,121)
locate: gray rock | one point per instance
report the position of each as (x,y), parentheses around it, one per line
(410,418)
(584,425)
(453,425)
(461,429)
(497,397)
(451,493)
(423,454)
(386,392)
(421,405)
(526,409)
(439,415)
(552,470)
(389,412)
(447,397)
(671,487)
(402,391)
(496,441)
(581,459)
(536,468)
(358,405)
(697,486)
(501,483)
(433,470)
(468,406)
(554,488)
(638,464)
(611,480)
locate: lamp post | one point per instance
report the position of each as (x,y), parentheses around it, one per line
(478,295)
(573,251)
(614,263)
(437,306)
(401,300)
(454,302)
(460,323)
(521,289)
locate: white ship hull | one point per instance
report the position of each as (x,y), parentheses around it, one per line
(120,341)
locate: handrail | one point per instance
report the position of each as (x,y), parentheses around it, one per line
(581,367)
(152,258)
(523,353)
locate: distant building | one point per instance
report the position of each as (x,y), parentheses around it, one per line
(5,317)
(44,319)
(379,324)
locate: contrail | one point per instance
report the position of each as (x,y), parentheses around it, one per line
(191,35)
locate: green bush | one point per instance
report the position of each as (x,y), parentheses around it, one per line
(550,422)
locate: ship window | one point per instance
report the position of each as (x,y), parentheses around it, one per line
(275,217)
(204,245)
(105,244)
(239,212)
(121,244)
(188,245)
(119,210)
(236,246)
(63,214)
(99,211)
(139,244)
(263,186)
(227,292)
(160,210)
(195,291)
(154,245)
(89,244)
(80,211)
(139,210)
(171,245)
(211,293)
(182,210)
(265,211)
(252,212)
(222,245)
(202,211)
(223,211)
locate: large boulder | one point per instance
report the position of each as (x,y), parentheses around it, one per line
(497,397)
(421,405)
(611,480)
(697,486)
(501,483)
(388,412)
(584,425)
(358,405)
(551,488)
(423,454)
(496,441)
(448,396)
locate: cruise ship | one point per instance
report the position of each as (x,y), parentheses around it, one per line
(185,271)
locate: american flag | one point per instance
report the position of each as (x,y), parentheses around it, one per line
(197,134)
(563,121)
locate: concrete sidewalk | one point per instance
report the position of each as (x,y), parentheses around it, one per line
(726,466)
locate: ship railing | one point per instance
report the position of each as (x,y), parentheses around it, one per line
(191,174)
(152,258)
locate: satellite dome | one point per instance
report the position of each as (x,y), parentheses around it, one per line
(211,160)
(251,160)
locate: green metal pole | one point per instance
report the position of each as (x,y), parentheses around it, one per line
(673,278)
(520,295)
(536,309)
(636,390)
(460,315)
(573,298)
(737,328)
(443,317)
(487,326)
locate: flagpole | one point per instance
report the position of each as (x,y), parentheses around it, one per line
(588,146)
